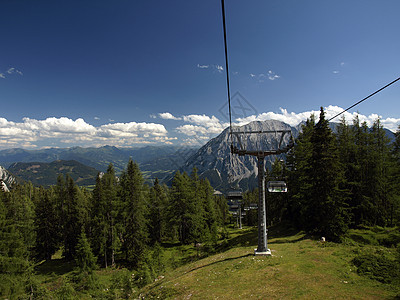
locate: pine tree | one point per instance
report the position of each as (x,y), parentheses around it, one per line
(14,255)
(75,215)
(103,217)
(299,181)
(361,204)
(178,206)
(318,203)
(135,235)
(47,232)
(21,213)
(394,210)
(186,210)
(158,209)
(327,209)
(210,211)
(347,152)
(85,260)
(382,170)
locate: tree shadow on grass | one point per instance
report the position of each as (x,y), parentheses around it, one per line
(56,266)
(219,261)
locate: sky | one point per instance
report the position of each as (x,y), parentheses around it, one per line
(134,72)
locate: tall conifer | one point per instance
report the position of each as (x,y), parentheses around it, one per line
(135,236)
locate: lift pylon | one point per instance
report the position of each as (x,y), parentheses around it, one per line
(262,248)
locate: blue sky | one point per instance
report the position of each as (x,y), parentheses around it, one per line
(91,73)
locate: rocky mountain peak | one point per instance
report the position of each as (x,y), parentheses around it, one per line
(6,179)
(215,161)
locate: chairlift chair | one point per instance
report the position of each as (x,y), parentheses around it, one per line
(276,187)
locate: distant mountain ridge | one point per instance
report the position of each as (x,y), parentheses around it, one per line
(45,174)
(154,161)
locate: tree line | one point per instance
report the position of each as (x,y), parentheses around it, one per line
(340,180)
(122,221)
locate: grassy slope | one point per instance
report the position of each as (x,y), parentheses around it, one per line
(298,268)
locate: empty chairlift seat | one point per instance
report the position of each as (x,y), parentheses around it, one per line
(276,187)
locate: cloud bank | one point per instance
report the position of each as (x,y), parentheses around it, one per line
(10,71)
(203,127)
(32,133)
(193,129)
(293,118)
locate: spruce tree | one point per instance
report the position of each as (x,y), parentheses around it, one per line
(350,181)
(14,254)
(394,210)
(85,260)
(103,217)
(47,232)
(327,208)
(382,170)
(318,204)
(135,235)
(158,208)
(75,215)
(299,181)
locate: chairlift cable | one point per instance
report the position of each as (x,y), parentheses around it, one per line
(227,69)
(362,100)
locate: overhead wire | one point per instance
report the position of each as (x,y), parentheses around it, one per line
(228,85)
(362,100)
(227,68)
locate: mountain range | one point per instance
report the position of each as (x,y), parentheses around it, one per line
(213,160)
(154,161)
(46,174)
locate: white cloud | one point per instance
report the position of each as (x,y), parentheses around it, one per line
(261,77)
(2,75)
(335,72)
(77,132)
(192,130)
(202,120)
(153,116)
(203,66)
(59,125)
(14,71)
(133,129)
(272,75)
(202,127)
(168,116)
(96,118)
(294,119)
(219,68)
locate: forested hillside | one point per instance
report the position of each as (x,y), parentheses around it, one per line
(336,182)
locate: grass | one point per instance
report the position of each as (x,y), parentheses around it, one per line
(300,268)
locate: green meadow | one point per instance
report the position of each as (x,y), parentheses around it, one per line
(301,267)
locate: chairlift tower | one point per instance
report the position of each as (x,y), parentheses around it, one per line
(235,198)
(262,248)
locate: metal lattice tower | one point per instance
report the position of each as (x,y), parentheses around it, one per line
(262,248)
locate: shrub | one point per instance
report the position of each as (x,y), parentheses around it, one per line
(377,266)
